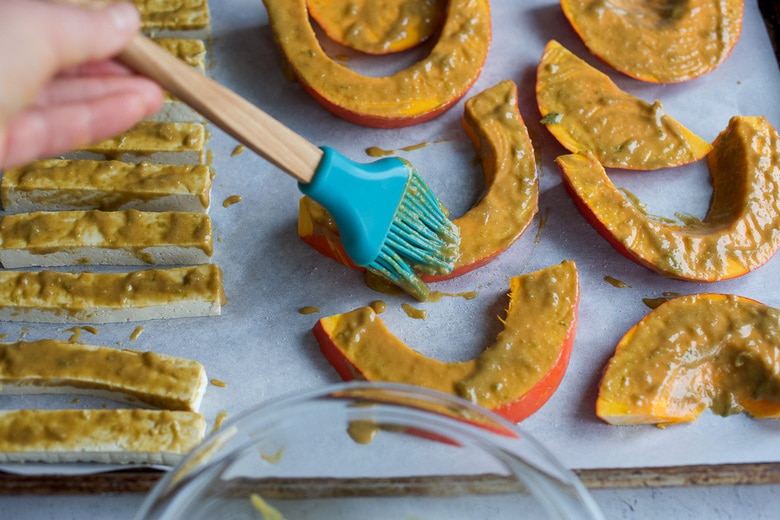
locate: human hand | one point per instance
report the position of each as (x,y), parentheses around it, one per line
(59,88)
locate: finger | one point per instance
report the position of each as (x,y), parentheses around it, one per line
(77,89)
(96,68)
(49,131)
(96,32)
(54,37)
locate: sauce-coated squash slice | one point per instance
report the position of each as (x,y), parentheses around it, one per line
(514,377)
(498,219)
(741,231)
(665,41)
(691,353)
(378,26)
(413,95)
(585,110)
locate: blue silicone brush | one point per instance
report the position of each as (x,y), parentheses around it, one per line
(389,221)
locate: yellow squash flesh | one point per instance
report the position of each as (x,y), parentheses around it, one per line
(585,110)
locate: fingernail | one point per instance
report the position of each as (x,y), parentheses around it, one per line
(123,15)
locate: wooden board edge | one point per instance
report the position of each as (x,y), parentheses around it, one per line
(143,480)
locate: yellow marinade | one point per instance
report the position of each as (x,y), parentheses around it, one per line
(378,27)
(181,15)
(157,380)
(189,50)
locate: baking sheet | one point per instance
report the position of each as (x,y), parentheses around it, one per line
(262,347)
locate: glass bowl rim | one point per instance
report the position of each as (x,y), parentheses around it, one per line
(285,403)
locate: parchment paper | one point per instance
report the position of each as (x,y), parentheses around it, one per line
(262,347)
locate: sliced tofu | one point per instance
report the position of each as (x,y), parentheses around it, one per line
(95,237)
(163,142)
(193,53)
(124,436)
(61,367)
(56,184)
(172,110)
(180,19)
(85,297)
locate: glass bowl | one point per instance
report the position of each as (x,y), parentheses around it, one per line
(369,450)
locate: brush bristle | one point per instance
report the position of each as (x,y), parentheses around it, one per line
(421,239)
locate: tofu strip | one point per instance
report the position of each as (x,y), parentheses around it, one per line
(60,367)
(85,297)
(180,19)
(57,185)
(162,142)
(189,50)
(193,53)
(124,436)
(94,237)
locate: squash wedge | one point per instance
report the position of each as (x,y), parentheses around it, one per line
(666,41)
(585,110)
(740,232)
(418,93)
(514,377)
(510,201)
(378,27)
(692,353)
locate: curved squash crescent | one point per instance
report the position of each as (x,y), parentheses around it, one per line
(741,231)
(513,377)
(413,95)
(511,199)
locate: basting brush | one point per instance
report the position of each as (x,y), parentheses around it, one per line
(389,220)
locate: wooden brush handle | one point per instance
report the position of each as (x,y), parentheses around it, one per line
(226,109)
